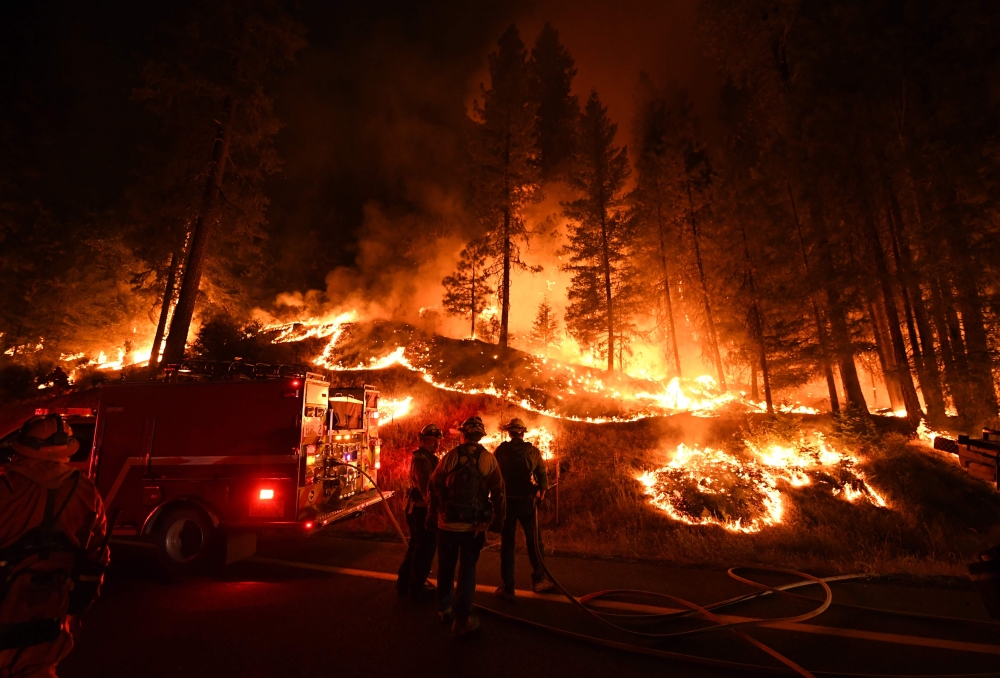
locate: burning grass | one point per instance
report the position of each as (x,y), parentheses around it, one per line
(567,391)
(805,493)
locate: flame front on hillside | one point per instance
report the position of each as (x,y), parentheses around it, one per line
(616,397)
(745,491)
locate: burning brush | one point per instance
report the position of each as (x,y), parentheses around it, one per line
(744,491)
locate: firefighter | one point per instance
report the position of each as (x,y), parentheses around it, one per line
(412,578)
(526,481)
(52,546)
(467,498)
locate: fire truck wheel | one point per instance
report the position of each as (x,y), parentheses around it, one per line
(186,541)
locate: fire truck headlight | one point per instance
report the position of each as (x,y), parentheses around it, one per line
(267,494)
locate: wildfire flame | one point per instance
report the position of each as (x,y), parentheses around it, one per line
(745,492)
(391,409)
(540,437)
(700,396)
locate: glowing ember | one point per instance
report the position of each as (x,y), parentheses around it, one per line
(744,492)
(706,486)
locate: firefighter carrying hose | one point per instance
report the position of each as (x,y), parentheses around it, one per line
(467,498)
(53,549)
(526,481)
(412,578)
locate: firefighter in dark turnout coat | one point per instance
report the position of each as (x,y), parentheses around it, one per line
(467,498)
(526,481)
(412,578)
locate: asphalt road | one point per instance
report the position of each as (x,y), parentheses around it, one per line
(325,606)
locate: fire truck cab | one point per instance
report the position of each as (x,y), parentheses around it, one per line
(203,466)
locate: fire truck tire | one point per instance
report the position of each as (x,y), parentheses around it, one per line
(186,541)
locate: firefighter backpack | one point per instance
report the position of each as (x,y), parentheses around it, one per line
(465,498)
(517,468)
(38,575)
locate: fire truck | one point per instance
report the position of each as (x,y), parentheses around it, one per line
(202,464)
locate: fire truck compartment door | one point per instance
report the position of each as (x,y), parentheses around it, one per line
(316,393)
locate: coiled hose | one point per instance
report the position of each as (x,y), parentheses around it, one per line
(615,619)
(611,619)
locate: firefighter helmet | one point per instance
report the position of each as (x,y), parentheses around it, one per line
(46,437)
(473,428)
(515,424)
(431,431)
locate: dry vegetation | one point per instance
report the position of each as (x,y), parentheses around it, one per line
(938,517)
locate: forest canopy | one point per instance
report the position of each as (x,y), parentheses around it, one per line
(828,212)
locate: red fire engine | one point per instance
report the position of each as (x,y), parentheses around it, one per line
(203,466)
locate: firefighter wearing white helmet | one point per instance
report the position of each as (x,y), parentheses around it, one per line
(526,481)
(47,508)
(467,498)
(412,576)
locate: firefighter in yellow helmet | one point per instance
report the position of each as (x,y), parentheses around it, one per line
(52,548)
(412,577)
(467,498)
(526,481)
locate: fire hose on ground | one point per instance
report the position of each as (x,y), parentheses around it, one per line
(614,619)
(708,612)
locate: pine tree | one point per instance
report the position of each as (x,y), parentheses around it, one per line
(604,292)
(545,328)
(217,77)
(552,69)
(654,202)
(468,291)
(504,155)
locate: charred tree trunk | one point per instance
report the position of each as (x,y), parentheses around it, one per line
(472,310)
(606,263)
(902,364)
(198,247)
(970,305)
(709,321)
(886,358)
(666,286)
(952,355)
(505,281)
(168,298)
(941,309)
(824,342)
(841,342)
(921,340)
(757,324)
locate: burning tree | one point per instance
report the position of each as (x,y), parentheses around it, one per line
(604,292)
(545,328)
(467,290)
(213,85)
(654,199)
(504,154)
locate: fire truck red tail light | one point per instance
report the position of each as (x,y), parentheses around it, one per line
(295,382)
(266,494)
(309,526)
